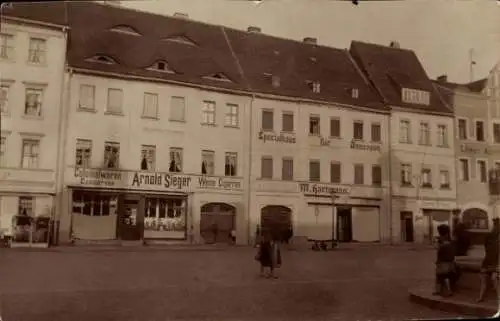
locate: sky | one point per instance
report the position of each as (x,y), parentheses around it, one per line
(441,32)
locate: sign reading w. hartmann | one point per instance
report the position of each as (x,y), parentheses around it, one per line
(315,189)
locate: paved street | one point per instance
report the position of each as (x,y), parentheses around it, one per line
(152,284)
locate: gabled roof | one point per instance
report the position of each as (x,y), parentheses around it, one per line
(390,69)
(252,62)
(472,87)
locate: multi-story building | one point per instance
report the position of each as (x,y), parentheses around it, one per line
(476,146)
(318,140)
(32,55)
(422,158)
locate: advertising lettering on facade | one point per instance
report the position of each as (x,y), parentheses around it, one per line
(183,182)
(98,177)
(278,138)
(365,146)
(465,148)
(218,182)
(317,189)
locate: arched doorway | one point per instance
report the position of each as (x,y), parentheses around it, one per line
(276,219)
(475,218)
(217,221)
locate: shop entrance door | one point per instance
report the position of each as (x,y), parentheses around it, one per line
(217,222)
(407,226)
(128,226)
(344,224)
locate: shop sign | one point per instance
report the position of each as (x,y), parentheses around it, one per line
(310,188)
(373,147)
(214,182)
(281,138)
(171,181)
(466,148)
(98,177)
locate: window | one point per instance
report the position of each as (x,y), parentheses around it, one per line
(115,101)
(480,130)
(442,136)
(314,125)
(111,155)
(482,171)
(87,97)
(376,133)
(314,171)
(93,204)
(462,129)
(425,134)
(404,131)
(464,169)
(267,167)
(177,107)
(287,169)
(232,118)
(376,175)
(231,162)
(3,150)
(150,108)
(4,98)
(208,112)
(148,157)
(83,152)
(207,162)
(37,50)
(335,172)
(335,127)
(496,133)
(267,120)
(444,179)
(175,160)
(287,125)
(31,150)
(406,174)
(426,177)
(26,205)
(497,165)
(358,130)
(359,177)
(33,104)
(315,86)
(6,46)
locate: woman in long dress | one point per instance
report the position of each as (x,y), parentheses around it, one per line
(269,255)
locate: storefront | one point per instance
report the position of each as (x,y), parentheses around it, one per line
(125,205)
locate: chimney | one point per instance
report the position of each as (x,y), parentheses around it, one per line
(310,40)
(254,29)
(394,44)
(442,78)
(181,15)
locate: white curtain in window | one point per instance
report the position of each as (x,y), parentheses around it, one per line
(177,105)
(150,105)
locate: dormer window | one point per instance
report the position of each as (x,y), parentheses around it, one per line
(180,39)
(275,80)
(414,96)
(355,93)
(313,59)
(315,86)
(161,66)
(218,77)
(125,29)
(103,59)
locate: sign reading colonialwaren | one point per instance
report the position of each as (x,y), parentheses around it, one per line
(281,138)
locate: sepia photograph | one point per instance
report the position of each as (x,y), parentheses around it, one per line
(249,160)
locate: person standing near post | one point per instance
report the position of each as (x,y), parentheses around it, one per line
(489,267)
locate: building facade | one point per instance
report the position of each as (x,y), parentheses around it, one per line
(32,56)
(422,158)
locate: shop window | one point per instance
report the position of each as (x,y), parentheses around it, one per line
(92,204)
(26,205)
(175,208)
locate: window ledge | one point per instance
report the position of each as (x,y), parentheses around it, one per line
(34,117)
(443,146)
(376,142)
(425,144)
(315,135)
(427,186)
(233,176)
(231,126)
(150,117)
(271,131)
(112,113)
(209,124)
(177,120)
(335,137)
(36,64)
(288,132)
(6,114)
(407,185)
(87,110)
(8,60)
(445,187)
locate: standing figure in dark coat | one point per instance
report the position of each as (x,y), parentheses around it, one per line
(269,255)
(445,263)
(461,239)
(489,267)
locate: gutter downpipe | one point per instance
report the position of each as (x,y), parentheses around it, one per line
(61,137)
(389,154)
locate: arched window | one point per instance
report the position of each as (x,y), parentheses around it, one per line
(475,218)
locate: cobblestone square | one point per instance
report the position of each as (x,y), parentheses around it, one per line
(365,283)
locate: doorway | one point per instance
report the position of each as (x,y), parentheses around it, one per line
(277,220)
(128,228)
(344,224)
(406,219)
(217,222)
